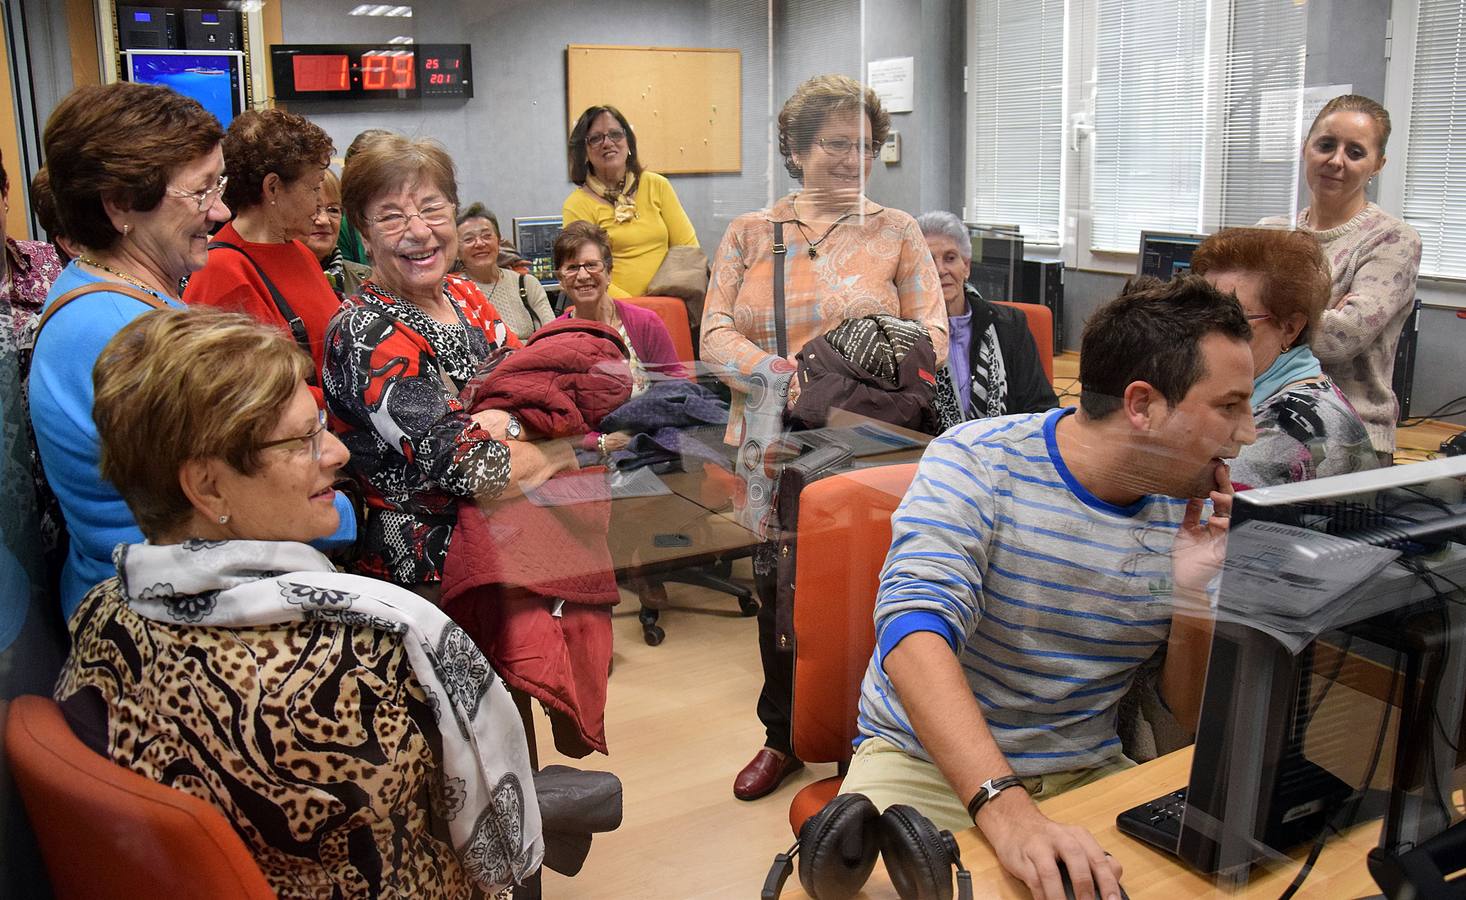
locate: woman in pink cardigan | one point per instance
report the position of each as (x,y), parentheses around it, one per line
(582,259)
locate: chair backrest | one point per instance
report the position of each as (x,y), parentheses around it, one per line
(844,534)
(107,832)
(673,313)
(1041,325)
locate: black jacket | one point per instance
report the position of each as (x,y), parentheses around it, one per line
(1029,389)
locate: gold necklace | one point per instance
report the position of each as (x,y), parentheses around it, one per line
(814,245)
(130,279)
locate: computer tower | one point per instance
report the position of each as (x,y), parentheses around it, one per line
(997,256)
(211,29)
(1404,380)
(147,28)
(1042,282)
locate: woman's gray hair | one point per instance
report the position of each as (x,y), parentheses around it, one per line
(945,224)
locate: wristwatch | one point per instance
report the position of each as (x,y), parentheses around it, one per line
(988,790)
(513,429)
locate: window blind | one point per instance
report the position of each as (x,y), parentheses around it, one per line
(1260,140)
(1015,115)
(1435,165)
(1148,120)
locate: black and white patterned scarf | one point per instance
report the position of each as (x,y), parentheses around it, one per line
(488,795)
(987,388)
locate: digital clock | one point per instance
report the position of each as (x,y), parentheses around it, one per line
(306,72)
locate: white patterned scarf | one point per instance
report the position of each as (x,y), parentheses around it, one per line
(488,796)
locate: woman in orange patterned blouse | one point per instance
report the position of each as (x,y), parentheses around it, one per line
(845,257)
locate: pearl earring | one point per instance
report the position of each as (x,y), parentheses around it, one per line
(126,228)
(223,520)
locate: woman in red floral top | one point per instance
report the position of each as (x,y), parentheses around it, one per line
(398,353)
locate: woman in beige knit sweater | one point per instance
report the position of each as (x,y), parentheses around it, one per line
(1374,257)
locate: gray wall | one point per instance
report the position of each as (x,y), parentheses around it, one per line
(509,140)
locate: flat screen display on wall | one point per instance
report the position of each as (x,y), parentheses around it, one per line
(368,71)
(215,78)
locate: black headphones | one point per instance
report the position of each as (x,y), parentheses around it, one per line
(837,849)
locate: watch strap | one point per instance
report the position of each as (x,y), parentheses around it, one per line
(988,790)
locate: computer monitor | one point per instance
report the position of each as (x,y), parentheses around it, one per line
(534,238)
(215,78)
(1326,588)
(997,261)
(1166,254)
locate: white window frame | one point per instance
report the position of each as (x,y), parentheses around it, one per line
(1399,77)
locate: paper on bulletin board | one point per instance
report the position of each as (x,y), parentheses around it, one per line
(894,81)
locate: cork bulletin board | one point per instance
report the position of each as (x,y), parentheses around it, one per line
(685,103)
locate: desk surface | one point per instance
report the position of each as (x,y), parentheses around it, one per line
(1339,873)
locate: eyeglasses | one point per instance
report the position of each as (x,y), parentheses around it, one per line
(594,267)
(615,135)
(1257,317)
(205,197)
(482,236)
(312,440)
(842,146)
(394,223)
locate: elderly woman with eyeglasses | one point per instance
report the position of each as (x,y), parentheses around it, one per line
(519,299)
(842,257)
(637,208)
(397,356)
(137,174)
(324,237)
(225,658)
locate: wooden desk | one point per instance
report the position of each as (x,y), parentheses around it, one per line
(1339,873)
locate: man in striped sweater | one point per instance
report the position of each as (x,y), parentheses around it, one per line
(1035,565)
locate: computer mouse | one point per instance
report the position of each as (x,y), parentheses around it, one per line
(1069,885)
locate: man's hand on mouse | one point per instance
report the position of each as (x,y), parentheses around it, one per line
(1030,845)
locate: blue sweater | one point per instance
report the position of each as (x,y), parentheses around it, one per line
(61,393)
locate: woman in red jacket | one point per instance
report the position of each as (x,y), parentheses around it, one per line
(258,264)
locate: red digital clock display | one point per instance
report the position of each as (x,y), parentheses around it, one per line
(322,72)
(381,72)
(392,71)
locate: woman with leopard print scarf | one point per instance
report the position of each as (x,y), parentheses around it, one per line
(355,737)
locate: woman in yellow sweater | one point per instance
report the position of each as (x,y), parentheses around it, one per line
(637,208)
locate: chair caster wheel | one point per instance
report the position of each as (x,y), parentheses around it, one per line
(747,606)
(653,635)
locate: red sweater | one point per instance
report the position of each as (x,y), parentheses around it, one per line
(228,281)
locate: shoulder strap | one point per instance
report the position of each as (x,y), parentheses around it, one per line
(524,298)
(780,251)
(297,325)
(110,287)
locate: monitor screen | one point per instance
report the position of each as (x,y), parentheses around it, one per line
(1330,590)
(534,238)
(215,78)
(997,261)
(1166,254)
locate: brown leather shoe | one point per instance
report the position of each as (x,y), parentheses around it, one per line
(763,774)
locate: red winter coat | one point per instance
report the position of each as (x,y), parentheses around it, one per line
(512,562)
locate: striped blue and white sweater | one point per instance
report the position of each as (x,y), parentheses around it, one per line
(1050,597)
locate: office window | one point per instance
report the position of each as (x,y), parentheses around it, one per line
(1256,160)
(1149,119)
(1015,89)
(1435,165)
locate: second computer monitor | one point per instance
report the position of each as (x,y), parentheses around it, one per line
(1166,254)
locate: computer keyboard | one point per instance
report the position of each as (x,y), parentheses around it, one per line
(1158,822)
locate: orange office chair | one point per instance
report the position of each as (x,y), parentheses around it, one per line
(106,832)
(1041,325)
(717,490)
(844,533)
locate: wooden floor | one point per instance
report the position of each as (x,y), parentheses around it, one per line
(680,723)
